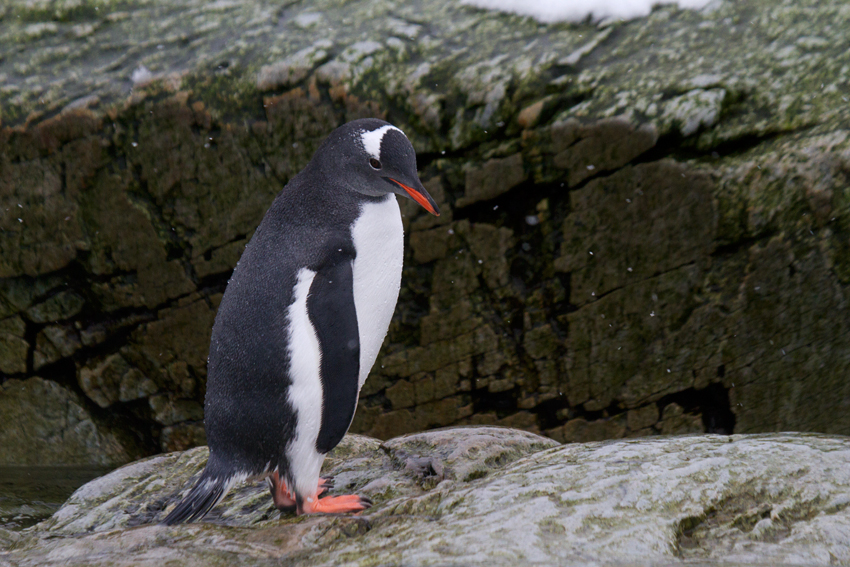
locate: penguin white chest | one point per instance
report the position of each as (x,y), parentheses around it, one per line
(379,244)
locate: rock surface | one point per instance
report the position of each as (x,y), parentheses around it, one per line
(486,495)
(644,231)
(45,423)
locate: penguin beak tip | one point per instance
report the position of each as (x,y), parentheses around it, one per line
(421,197)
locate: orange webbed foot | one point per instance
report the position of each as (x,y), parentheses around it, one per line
(334,504)
(284,499)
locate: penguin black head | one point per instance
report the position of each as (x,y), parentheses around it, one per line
(375,158)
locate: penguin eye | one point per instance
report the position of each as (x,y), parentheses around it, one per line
(375,163)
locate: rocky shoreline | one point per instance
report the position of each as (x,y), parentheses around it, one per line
(484,495)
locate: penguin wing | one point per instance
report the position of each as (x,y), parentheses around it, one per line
(330,306)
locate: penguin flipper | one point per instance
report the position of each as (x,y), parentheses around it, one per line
(332,311)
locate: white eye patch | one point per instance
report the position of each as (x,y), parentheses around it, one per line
(372,140)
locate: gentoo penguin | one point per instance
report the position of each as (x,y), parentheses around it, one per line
(302,320)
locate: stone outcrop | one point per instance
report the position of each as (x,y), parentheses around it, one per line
(46,423)
(643,232)
(484,496)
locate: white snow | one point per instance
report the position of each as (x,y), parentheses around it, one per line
(551,11)
(141,74)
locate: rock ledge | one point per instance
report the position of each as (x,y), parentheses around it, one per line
(485,495)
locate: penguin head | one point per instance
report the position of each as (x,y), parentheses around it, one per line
(376,158)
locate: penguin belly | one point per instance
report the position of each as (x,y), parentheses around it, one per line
(378,237)
(323,404)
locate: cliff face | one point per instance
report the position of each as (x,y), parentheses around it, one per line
(644,230)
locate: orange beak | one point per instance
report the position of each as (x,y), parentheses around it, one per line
(422,198)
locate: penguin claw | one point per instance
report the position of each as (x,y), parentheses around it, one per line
(325,484)
(335,505)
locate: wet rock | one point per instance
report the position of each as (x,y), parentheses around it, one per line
(294,68)
(580,430)
(169,411)
(530,115)
(586,151)
(53,343)
(495,177)
(431,245)
(182,436)
(694,110)
(541,342)
(674,421)
(221,260)
(63,305)
(44,423)
(486,495)
(644,417)
(172,350)
(42,240)
(112,215)
(114,380)
(671,223)
(7,538)
(13,346)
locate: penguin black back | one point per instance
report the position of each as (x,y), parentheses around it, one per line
(302,319)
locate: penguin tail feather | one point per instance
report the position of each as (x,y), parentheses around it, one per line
(206,493)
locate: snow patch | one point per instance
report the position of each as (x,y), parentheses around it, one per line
(551,11)
(141,75)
